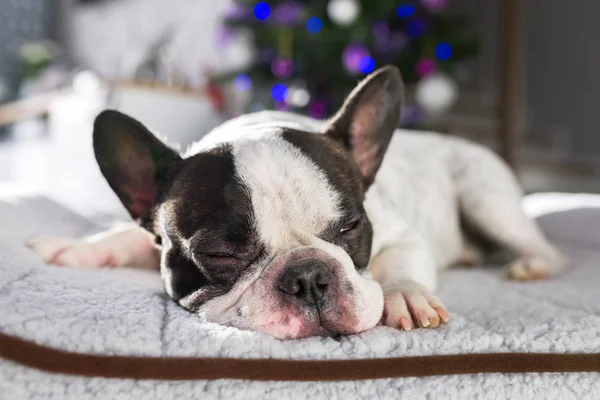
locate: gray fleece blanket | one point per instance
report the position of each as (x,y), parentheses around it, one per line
(126,313)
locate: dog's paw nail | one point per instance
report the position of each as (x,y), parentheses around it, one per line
(405,323)
(443,313)
(435,321)
(424,318)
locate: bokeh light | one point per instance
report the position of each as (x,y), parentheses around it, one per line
(443,51)
(425,66)
(405,10)
(242,82)
(298,96)
(352,55)
(262,11)
(282,67)
(314,25)
(279,92)
(366,65)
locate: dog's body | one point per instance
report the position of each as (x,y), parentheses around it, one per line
(295,227)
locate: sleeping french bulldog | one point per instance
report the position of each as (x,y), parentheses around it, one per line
(294,227)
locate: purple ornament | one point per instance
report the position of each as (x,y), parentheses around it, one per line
(224,36)
(352,55)
(317,109)
(435,5)
(282,68)
(237,13)
(386,41)
(381,32)
(288,14)
(393,43)
(425,66)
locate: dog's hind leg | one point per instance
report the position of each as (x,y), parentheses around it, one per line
(490,201)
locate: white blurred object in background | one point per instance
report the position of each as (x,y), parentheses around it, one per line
(238,53)
(72,175)
(343,12)
(436,94)
(181,117)
(114,37)
(58,160)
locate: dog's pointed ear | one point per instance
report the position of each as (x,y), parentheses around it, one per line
(366,122)
(136,164)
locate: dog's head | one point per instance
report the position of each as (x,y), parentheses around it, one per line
(266,232)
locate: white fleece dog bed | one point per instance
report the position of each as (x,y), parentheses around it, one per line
(125,313)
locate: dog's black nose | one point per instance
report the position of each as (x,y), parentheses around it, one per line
(308,280)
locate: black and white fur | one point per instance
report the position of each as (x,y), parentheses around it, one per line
(294,227)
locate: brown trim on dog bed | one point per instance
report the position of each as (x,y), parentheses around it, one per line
(179,368)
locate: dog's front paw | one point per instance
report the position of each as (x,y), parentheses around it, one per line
(67,252)
(410,305)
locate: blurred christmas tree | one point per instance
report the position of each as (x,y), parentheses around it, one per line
(309,54)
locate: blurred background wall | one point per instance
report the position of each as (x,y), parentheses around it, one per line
(563,64)
(563,69)
(172,64)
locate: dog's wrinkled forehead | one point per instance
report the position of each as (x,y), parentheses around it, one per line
(291,195)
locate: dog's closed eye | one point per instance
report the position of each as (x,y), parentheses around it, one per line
(349,227)
(224,255)
(352,227)
(219,259)
(219,255)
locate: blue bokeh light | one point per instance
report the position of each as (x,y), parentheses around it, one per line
(262,11)
(242,82)
(415,28)
(314,25)
(405,10)
(279,92)
(366,65)
(443,51)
